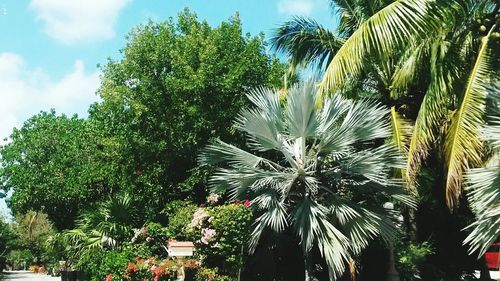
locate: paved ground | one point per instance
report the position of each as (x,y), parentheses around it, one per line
(27,276)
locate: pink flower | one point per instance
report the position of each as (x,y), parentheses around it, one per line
(208,235)
(198,217)
(247,203)
(213,198)
(109,277)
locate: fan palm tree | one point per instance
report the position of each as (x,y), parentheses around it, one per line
(104,227)
(445,49)
(323,172)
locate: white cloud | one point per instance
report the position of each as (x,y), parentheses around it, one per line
(76,21)
(295,7)
(24,91)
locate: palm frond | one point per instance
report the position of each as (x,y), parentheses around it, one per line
(363,120)
(384,33)
(311,223)
(306,42)
(300,113)
(432,112)
(463,143)
(484,197)
(401,131)
(366,163)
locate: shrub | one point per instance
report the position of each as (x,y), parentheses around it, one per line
(210,274)
(223,233)
(179,216)
(410,258)
(102,263)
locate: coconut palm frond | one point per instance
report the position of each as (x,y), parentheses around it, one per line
(388,30)
(463,143)
(406,71)
(431,114)
(401,131)
(306,42)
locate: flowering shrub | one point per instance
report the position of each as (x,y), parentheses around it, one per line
(223,232)
(179,215)
(150,269)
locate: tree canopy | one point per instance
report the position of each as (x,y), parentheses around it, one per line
(178,85)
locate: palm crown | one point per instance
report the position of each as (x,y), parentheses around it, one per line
(439,52)
(324,172)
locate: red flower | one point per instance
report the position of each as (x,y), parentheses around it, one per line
(109,277)
(132,268)
(247,203)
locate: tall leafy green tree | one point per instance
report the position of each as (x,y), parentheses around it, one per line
(178,84)
(322,172)
(32,230)
(55,165)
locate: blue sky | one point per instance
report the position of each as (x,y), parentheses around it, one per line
(49,49)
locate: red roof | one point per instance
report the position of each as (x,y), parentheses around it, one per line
(173,243)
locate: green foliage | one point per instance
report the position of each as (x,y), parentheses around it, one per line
(17,258)
(32,230)
(410,258)
(179,215)
(107,226)
(7,236)
(105,262)
(212,274)
(179,84)
(227,249)
(55,165)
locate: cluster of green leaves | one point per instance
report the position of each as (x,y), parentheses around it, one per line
(410,258)
(210,274)
(7,237)
(179,215)
(106,262)
(232,226)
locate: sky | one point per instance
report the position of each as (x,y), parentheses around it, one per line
(50,49)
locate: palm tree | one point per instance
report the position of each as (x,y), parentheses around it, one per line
(444,49)
(323,172)
(106,226)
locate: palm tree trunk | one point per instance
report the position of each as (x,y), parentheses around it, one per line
(484,270)
(392,274)
(308,274)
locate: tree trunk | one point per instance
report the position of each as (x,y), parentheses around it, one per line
(484,270)
(392,274)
